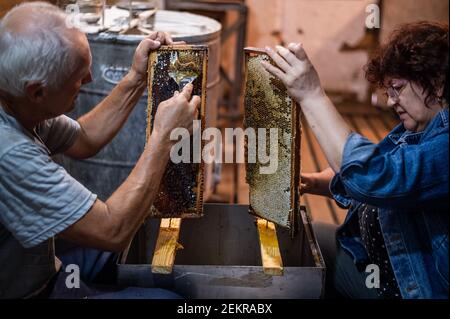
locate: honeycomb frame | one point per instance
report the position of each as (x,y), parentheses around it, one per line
(181,196)
(264,91)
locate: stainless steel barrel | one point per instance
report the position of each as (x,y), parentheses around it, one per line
(112,57)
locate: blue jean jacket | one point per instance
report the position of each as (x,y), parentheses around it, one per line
(406,176)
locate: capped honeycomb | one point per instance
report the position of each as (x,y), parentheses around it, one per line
(274,197)
(169,69)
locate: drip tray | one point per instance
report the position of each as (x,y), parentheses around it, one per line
(221,259)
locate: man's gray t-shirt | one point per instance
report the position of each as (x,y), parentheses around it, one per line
(38,199)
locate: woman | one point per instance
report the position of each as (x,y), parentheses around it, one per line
(397,190)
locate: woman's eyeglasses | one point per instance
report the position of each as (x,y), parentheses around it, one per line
(394,91)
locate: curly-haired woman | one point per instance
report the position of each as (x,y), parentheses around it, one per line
(397,190)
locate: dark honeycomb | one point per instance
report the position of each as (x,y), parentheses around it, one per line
(170,69)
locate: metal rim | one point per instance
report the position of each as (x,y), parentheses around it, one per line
(171,16)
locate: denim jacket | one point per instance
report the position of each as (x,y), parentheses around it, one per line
(406,176)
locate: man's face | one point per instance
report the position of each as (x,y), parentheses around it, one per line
(62,100)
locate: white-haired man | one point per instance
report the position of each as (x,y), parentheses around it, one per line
(43,64)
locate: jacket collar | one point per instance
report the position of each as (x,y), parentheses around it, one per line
(400,135)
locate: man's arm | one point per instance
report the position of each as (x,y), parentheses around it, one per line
(112,224)
(99,126)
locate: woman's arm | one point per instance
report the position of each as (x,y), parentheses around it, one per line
(412,176)
(317,183)
(303,84)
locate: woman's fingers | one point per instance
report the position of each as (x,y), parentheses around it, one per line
(287,55)
(279,61)
(303,188)
(273,70)
(298,50)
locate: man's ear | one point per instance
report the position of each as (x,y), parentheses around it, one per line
(35,92)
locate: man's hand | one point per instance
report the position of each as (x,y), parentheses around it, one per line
(111,225)
(152,42)
(296,71)
(177,112)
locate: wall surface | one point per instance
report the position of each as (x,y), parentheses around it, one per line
(325,25)
(402,11)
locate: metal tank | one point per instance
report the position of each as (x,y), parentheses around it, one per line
(112,56)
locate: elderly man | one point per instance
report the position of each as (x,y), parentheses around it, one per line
(43,64)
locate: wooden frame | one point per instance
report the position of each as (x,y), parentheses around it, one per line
(166,246)
(270,249)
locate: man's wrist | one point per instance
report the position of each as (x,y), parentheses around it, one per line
(161,142)
(135,79)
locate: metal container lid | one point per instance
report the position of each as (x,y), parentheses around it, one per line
(183,26)
(136,5)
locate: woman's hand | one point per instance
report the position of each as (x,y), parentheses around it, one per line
(296,72)
(317,183)
(308,183)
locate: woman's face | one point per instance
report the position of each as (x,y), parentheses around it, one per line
(408,101)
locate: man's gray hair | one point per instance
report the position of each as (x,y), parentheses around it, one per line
(40,51)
